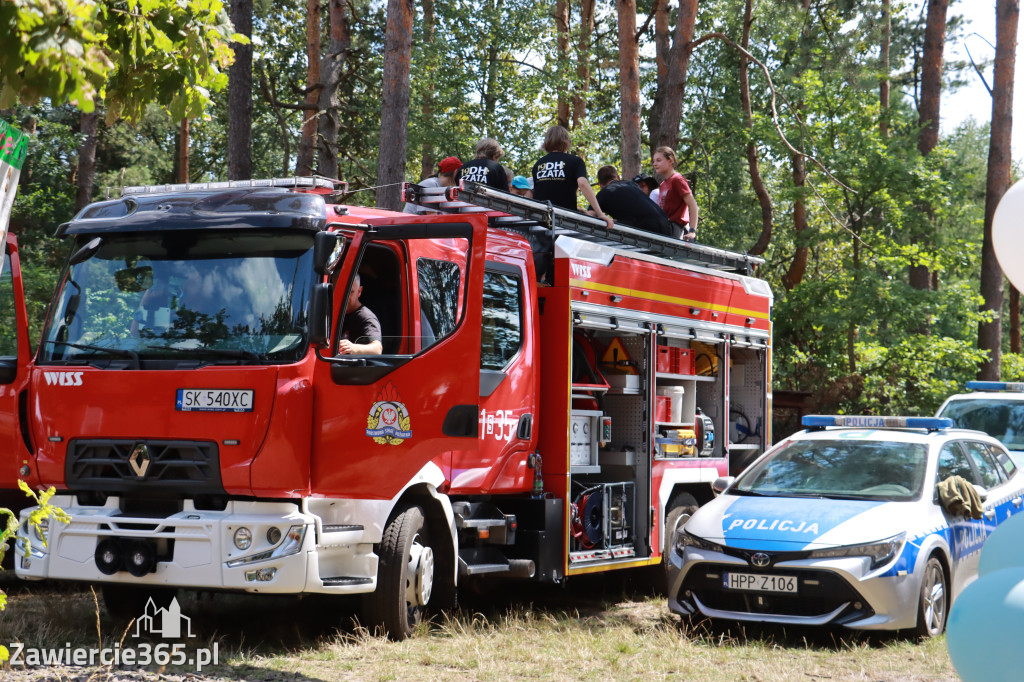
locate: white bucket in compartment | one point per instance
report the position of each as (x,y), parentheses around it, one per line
(676,394)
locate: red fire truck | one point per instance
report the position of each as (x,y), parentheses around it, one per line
(552,398)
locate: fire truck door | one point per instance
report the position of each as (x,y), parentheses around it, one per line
(14,361)
(384,418)
(508,389)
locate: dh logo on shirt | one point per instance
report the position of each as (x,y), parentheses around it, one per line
(551,169)
(476,174)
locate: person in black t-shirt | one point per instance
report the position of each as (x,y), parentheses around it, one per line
(485,168)
(360,332)
(558,174)
(629,205)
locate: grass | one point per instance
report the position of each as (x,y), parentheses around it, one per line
(596,628)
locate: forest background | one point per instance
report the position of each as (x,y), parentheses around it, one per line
(810,130)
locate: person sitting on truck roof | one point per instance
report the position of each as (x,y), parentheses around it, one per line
(675,198)
(485,168)
(626,202)
(649,185)
(445,177)
(521,187)
(360,332)
(558,174)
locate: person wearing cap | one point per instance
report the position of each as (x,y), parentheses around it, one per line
(485,169)
(521,187)
(445,177)
(625,201)
(558,175)
(649,186)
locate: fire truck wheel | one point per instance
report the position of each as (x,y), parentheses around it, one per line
(679,509)
(125,602)
(405,576)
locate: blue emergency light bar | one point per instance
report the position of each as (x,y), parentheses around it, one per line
(868,422)
(996,386)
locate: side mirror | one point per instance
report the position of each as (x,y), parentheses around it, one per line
(982,493)
(328,248)
(320,314)
(722,483)
(86,252)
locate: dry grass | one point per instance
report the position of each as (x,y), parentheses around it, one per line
(595,629)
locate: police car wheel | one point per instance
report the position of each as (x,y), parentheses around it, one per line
(933,605)
(405,576)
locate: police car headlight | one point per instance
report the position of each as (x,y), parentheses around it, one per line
(685,539)
(880,553)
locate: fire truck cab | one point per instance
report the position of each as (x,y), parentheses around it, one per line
(552,398)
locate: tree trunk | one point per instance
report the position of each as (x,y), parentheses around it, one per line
(562,42)
(998,181)
(1014,320)
(307,141)
(662,46)
(183,144)
(883,81)
(240,96)
(87,159)
(798,265)
(763,198)
(579,98)
(330,80)
(428,157)
(629,88)
(928,109)
(671,106)
(394,115)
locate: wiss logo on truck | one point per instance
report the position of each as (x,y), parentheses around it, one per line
(191,401)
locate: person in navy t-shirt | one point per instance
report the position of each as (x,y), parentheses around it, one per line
(485,168)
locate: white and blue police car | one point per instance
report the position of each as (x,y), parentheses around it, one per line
(995,407)
(842,525)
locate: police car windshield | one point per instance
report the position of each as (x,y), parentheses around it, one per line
(999,418)
(196,297)
(839,468)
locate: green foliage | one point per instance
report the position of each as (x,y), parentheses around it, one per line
(37,524)
(127,54)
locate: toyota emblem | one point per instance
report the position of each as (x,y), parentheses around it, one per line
(760,559)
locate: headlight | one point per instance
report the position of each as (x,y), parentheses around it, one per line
(880,553)
(41,530)
(685,539)
(292,544)
(243,538)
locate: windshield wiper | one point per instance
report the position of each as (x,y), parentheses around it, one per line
(106,350)
(225,353)
(744,491)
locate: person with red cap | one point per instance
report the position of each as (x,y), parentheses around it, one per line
(447,169)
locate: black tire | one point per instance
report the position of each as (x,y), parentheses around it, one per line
(125,602)
(933,603)
(679,509)
(405,576)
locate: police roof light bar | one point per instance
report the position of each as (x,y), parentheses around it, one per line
(1016,386)
(869,422)
(314,182)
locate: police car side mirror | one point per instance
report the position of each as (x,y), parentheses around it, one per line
(320,314)
(982,493)
(722,483)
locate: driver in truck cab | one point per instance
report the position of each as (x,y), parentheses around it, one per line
(360,332)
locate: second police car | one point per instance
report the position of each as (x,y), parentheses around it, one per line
(842,524)
(995,407)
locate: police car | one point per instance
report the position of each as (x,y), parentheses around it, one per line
(841,524)
(995,407)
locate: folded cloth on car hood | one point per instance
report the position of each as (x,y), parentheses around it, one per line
(959,497)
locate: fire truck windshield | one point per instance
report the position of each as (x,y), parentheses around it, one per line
(197,297)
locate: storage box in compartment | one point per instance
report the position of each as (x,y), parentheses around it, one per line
(662,408)
(624,381)
(682,361)
(664,362)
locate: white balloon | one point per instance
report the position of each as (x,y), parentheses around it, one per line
(1008,234)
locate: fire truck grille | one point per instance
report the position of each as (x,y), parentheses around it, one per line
(818,593)
(185,468)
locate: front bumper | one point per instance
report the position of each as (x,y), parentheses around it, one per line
(195,549)
(830,592)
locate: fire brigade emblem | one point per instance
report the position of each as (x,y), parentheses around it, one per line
(388,422)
